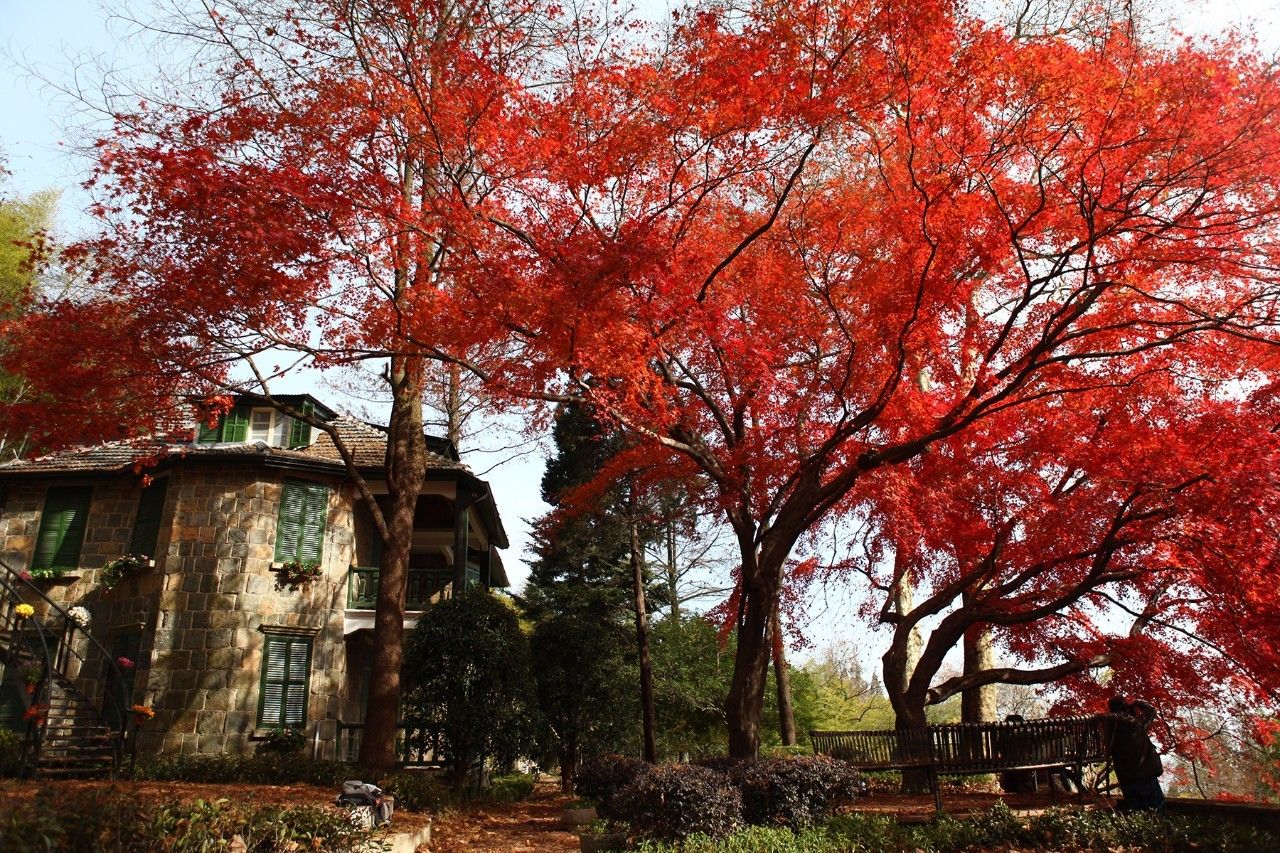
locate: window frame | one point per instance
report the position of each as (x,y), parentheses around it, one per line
(314,491)
(85,495)
(290,640)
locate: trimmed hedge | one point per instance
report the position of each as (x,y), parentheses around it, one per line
(601,776)
(794,792)
(677,800)
(259,769)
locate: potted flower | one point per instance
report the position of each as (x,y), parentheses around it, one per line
(31,675)
(117,571)
(35,714)
(51,574)
(297,573)
(141,713)
(80,616)
(24,611)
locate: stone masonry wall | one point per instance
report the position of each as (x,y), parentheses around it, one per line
(201,609)
(219,591)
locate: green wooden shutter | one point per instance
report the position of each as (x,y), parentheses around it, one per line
(300,431)
(286,681)
(62,525)
(209,434)
(300,525)
(146,527)
(289,522)
(235,424)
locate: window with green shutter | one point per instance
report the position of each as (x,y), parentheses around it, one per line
(300,526)
(300,431)
(62,526)
(286,680)
(146,526)
(234,426)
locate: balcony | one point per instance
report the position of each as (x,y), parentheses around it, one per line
(424,585)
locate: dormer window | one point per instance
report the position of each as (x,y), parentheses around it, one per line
(247,424)
(269,426)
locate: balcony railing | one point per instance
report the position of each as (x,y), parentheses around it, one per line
(416,746)
(424,585)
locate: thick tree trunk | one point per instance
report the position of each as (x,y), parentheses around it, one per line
(648,720)
(782,681)
(751,663)
(979,703)
(899,667)
(406,464)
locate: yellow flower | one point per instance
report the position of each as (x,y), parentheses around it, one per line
(24,611)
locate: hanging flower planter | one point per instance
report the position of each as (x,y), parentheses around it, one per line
(142,713)
(121,569)
(296,574)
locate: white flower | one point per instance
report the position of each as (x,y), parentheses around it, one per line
(80,616)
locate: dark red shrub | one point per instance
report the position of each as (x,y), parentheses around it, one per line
(794,792)
(673,801)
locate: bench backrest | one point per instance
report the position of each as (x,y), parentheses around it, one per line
(971,747)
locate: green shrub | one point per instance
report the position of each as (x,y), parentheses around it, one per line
(111,819)
(511,788)
(794,792)
(871,833)
(753,839)
(417,791)
(262,769)
(601,776)
(12,750)
(678,800)
(283,741)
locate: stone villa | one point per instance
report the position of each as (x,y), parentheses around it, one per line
(220,648)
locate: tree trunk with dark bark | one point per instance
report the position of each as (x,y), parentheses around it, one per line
(406,464)
(648,720)
(782,681)
(751,663)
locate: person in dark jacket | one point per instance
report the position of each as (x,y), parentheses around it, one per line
(1133,755)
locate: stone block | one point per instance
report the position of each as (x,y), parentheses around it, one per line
(212,744)
(210,722)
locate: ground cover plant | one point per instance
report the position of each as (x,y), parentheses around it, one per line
(113,821)
(998,829)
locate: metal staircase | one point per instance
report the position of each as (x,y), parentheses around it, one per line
(47,658)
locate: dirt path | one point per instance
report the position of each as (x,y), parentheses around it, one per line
(499,827)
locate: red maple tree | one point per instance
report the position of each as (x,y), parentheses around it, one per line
(804,245)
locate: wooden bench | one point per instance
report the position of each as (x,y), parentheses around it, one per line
(1067,743)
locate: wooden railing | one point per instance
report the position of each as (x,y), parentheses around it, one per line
(1067,742)
(416,746)
(423,586)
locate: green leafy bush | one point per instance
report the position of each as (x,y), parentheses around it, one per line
(601,776)
(678,800)
(753,839)
(111,819)
(261,769)
(283,741)
(417,791)
(511,788)
(794,792)
(12,747)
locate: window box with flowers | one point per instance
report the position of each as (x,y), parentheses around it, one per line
(121,569)
(296,573)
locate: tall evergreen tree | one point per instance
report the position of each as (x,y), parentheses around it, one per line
(580,598)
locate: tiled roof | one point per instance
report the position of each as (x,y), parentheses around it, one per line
(367,444)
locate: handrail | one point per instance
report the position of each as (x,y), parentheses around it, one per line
(70,626)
